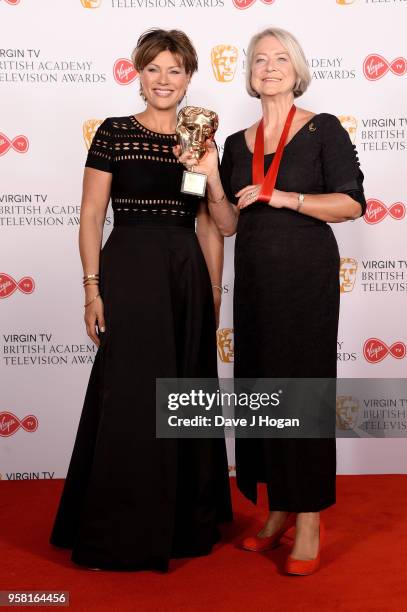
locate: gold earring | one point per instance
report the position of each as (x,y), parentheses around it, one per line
(184,97)
(142,94)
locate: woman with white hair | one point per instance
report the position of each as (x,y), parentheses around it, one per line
(282,180)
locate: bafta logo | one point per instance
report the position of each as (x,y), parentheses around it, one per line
(347,274)
(224,62)
(89,130)
(350,124)
(345,1)
(91,4)
(226,348)
(347,409)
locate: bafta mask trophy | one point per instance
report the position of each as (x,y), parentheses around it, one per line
(194,126)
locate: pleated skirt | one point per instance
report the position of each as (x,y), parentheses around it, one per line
(132,501)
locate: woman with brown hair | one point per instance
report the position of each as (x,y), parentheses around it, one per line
(132,501)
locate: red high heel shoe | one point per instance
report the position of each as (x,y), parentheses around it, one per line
(305,567)
(257,544)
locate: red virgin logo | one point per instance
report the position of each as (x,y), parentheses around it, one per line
(245,4)
(8,285)
(376,211)
(375,350)
(12,2)
(20,144)
(9,424)
(375,67)
(124,72)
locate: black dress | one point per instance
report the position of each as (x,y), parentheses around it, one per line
(286,302)
(132,501)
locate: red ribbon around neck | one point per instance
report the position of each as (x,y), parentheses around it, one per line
(268,183)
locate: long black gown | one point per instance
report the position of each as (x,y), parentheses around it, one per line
(132,501)
(286,302)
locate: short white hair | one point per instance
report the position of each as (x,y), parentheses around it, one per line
(295,52)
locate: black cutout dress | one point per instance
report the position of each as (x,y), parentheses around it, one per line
(286,302)
(132,501)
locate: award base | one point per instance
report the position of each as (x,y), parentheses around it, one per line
(194,183)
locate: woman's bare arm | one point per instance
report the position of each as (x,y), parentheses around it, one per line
(95,199)
(211,242)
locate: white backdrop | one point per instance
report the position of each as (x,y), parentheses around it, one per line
(59,69)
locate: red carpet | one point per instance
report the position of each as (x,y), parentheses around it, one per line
(364,562)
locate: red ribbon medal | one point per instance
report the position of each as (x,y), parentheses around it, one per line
(268,183)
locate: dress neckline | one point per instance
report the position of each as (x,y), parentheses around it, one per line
(145,129)
(288,143)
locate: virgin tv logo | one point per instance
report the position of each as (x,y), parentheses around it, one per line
(10,424)
(376,211)
(12,2)
(376,67)
(20,144)
(245,4)
(375,350)
(124,72)
(8,285)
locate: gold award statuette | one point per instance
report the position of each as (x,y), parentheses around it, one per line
(194,126)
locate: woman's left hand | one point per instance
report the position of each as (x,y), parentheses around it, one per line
(249,195)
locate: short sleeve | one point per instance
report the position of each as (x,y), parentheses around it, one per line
(100,155)
(226,169)
(340,163)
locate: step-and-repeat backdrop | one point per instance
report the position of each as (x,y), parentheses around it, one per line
(64,67)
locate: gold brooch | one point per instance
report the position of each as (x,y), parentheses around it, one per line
(312,127)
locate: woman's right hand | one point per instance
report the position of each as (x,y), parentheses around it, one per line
(94,316)
(207,165)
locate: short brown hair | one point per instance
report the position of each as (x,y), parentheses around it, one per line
(154,41)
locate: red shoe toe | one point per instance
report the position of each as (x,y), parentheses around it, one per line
(256,544)
(299,567)
(305,567)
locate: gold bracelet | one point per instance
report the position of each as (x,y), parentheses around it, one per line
(90,279)
(218,287)
(92,300)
